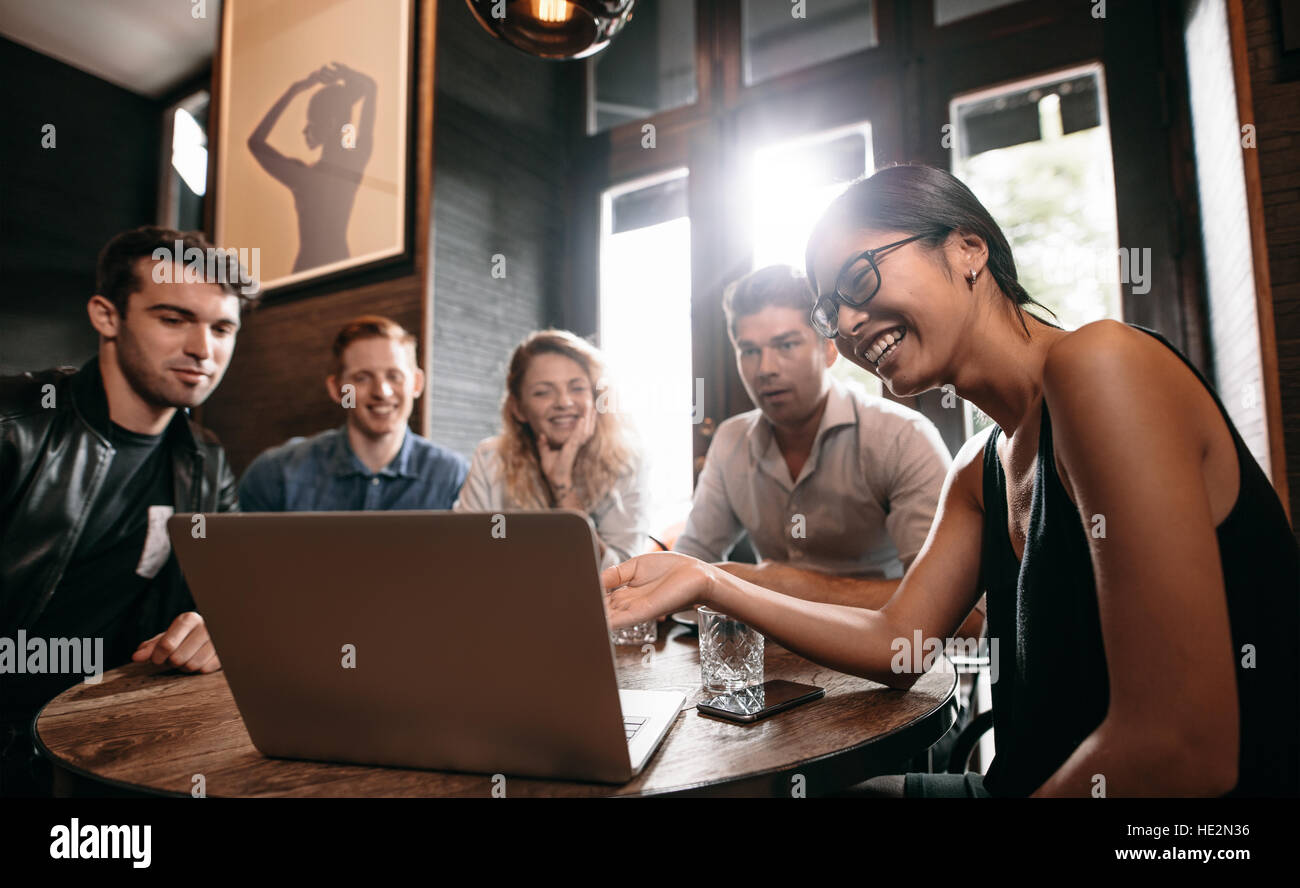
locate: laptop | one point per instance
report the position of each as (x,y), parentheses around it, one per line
(439,640)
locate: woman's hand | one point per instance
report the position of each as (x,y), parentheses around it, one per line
(557,462)
(649,586)
(322,76)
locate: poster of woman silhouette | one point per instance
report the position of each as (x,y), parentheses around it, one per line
(313,134)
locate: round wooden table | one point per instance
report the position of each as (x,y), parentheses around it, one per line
(147,730)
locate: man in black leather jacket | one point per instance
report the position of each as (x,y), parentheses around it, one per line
(92,462)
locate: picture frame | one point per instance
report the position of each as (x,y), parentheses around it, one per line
(315,128)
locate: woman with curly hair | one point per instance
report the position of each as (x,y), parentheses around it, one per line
(557,450)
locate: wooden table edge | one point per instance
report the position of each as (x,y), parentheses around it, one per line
(943,713)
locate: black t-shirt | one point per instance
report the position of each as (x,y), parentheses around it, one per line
(110,574)
(1052,688)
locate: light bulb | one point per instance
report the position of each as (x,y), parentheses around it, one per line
(552,11)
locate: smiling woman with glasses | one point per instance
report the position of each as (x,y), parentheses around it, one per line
(1136,559)
(855,285)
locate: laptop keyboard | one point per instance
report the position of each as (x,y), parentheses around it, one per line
(632,724)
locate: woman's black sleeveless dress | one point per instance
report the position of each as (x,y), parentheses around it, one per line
(1052,690)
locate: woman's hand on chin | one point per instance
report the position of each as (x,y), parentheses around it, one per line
(649,586)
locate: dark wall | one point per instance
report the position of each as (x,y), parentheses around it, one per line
(58,206)
(503,126)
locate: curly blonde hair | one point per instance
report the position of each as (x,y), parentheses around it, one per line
(606,456)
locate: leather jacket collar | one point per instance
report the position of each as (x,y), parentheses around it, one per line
(90,401)
(54,457)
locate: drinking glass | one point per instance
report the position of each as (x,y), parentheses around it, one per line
(731,653)
(638,633)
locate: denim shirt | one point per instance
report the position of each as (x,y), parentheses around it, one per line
(322,474)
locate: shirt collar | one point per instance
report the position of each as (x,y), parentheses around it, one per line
(343,462)
(90,399)
(839,412)
(762,441)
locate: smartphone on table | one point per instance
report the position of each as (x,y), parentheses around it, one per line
(748,705)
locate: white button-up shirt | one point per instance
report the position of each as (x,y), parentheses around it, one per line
(861,506)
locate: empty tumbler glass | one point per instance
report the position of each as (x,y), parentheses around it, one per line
(731,653)
(639,633)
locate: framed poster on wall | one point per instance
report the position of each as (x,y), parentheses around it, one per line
(314,134)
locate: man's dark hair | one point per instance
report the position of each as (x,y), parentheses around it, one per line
(782,285)
(116,278)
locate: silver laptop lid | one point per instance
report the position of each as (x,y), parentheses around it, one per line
(450,641)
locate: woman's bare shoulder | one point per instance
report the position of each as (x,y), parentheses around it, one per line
(966,477)
(1112,349)
(1107,378)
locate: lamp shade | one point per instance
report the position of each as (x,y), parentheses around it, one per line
(554,29)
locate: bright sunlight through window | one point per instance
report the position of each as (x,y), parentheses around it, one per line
(645,332)
(791,185)
(189,151)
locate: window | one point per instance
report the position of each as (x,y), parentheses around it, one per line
(779,37)
(948,11)
(791,184)
(1001,92)
(645,331)
(649,69)
(185,127)
(1234,323)
(1037,155)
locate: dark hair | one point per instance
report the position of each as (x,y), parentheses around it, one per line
(782,285)
(115,275)
(368,327)
(926,201)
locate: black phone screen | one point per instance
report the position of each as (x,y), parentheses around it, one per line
(755,702)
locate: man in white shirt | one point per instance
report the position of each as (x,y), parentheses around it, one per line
(836,488)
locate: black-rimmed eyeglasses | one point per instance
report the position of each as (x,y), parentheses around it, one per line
(855,286)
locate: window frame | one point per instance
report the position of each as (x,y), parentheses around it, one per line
(903,86)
